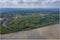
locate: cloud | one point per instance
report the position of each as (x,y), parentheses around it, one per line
(29,3)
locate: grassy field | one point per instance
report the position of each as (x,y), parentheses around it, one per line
(4,30)
(31,21)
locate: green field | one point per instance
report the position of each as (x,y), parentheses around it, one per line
(31,21)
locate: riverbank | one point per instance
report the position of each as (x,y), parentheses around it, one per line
(51,32)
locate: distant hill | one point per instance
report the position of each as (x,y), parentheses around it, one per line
(23,11)
(29,10)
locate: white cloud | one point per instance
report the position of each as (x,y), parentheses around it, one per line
(29,3)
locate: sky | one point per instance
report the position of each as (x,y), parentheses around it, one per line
(29,3)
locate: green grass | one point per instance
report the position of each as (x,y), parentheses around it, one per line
(30,21)
(33,20)
(4,31)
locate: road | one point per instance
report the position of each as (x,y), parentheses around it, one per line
(45,32)
(7,27)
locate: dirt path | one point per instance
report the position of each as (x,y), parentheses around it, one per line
(45,32)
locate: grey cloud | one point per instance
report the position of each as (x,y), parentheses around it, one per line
(22,4)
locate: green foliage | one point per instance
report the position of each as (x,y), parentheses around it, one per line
(33,20)
(30,21)
(4,30)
